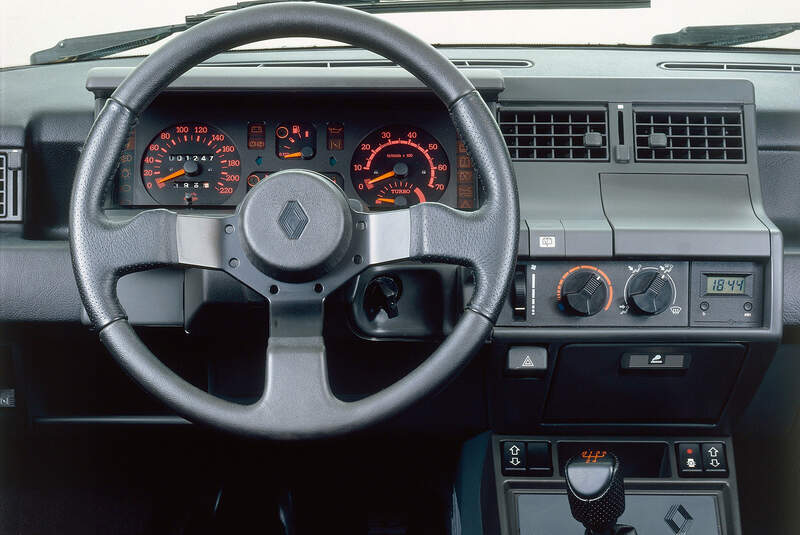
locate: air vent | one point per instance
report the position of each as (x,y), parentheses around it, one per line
(542,134)
(703,136)
(470,63)
(716,66)
(10,185)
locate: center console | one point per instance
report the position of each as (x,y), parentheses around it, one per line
(645,309)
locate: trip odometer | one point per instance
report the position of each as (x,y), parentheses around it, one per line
(191,164)
(399,165)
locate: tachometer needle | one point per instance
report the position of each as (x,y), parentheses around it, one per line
(170,176)
(384,176)
(293,155)
(381,200)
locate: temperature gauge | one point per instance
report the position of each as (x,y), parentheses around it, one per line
(296,141)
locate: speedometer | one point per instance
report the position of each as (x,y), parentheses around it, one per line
(191,163)
(399,165)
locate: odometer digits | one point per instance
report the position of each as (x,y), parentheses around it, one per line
(191,164)
(398,166)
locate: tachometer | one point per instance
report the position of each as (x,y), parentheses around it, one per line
(399,165)
(191,163)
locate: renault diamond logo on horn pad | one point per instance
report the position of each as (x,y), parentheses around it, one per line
(293,220)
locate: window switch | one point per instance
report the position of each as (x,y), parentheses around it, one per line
(514,458)
(540,461)
(689,459)
(715,462)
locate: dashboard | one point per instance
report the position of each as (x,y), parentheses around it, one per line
(201,151)
(658,261)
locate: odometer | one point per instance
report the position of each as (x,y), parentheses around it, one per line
(191,163)
(398,166)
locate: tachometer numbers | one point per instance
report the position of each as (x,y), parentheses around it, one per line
(398,166)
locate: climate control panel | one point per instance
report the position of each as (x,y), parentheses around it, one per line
(634,293)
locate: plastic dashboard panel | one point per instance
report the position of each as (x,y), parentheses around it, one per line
(605,74)
(589,202)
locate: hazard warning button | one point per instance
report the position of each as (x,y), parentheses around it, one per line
(530,361)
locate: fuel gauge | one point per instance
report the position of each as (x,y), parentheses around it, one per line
(296,141)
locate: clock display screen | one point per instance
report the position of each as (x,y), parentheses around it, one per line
(726,285)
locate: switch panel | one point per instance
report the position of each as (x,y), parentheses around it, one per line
(635,293)
(604,293)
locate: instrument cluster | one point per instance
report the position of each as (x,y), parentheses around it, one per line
(208,151)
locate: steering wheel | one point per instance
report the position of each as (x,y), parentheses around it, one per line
(294,238)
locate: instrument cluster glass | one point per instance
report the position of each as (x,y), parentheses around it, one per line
(173,159)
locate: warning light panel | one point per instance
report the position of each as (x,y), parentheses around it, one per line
(335,139)
(256,136)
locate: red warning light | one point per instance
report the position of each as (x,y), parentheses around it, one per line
(690,451)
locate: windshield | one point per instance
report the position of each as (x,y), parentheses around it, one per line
(31,25)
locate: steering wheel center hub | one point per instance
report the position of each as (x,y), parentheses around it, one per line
(295,225)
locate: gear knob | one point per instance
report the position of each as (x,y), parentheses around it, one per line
(596,491)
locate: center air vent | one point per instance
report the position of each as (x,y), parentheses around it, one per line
(704,136)
(540,134)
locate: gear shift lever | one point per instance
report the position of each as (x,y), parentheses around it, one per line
(596,492)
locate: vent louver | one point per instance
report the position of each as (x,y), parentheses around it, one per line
(538,134)
(697,136)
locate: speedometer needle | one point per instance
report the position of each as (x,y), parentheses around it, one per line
(384,176)
(293,155)
(170,176)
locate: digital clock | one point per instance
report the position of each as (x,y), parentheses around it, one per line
(726,284)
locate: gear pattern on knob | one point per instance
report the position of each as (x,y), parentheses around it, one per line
(596,490)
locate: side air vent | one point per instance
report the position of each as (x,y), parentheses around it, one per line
(10,185)
(549,134)
(702,136)
(717,66)
(470,63)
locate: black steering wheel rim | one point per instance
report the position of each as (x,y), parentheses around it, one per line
(297,402)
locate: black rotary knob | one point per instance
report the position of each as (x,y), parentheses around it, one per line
(649,292)
(595,490)
(584,293)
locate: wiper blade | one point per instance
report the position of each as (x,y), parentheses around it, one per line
(407,6)
(735,34)
(104,44)
(101,45)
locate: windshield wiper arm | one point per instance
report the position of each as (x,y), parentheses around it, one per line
(735,34)
(104,44)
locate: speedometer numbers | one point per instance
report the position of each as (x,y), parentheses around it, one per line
(191,163)
(398,166)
